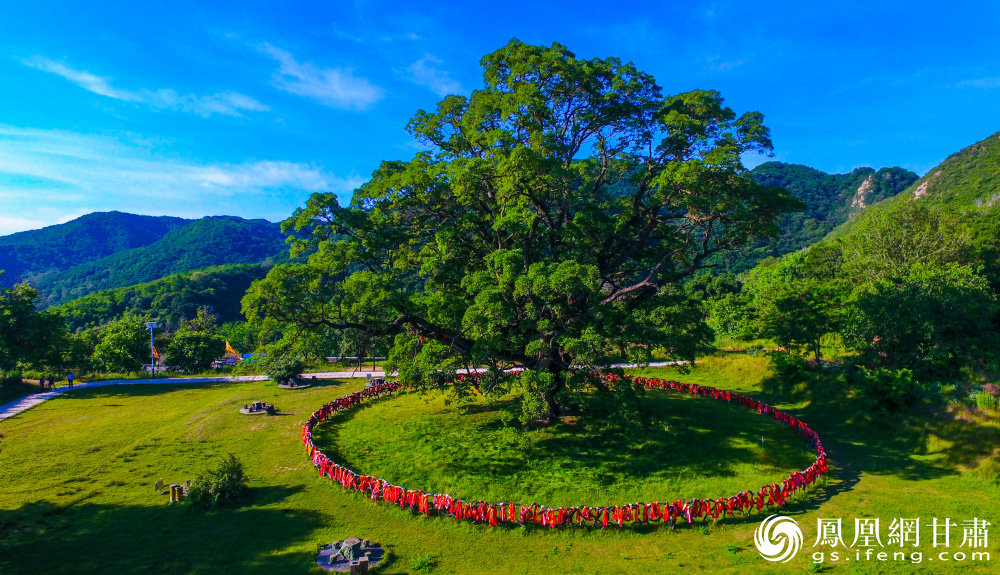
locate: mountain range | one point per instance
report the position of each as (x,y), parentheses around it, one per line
(830,200)
(112,249)
(27,256)
(137,263)
(967,182)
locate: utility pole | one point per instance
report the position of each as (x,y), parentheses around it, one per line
(151,325)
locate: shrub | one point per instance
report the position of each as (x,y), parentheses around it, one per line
(284,369)
(11,378)
(790,368)
(886,390)
(989,470)
(226,484)
(986,400)
(423,563)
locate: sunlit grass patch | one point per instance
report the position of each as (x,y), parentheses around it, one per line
(69,502)
(696,448)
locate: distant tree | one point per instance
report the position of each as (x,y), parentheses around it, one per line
(929,318)
(886,242)
(195,345)
(78,351)
(241,334)
(799,299)
(707,286)
(27,335)
(732,315)
(123,345)
(284,369)
(548,225)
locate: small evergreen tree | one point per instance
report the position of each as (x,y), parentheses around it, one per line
(226,484)
(284,369)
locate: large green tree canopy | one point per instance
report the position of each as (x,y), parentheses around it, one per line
(27,335)
(547,225)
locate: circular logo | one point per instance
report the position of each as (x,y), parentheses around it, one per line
(778,538)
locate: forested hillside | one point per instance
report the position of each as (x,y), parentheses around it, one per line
(34,254)
(217,290)
(210,241)
(969,178)
(830,200)
(967,181)
(911,285)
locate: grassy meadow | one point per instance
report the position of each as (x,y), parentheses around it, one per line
(77,474)
(700,449)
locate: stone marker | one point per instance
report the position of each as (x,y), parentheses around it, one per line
(353,555)
(351,548)
(359,567)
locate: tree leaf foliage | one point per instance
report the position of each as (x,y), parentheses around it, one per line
(547,224)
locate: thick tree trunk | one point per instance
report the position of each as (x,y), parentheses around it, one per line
(552,408)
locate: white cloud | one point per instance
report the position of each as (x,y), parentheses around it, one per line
(10,225)
(48,176)
(982,83)
(85,80)
(400,38)
(225,103)
(334,87)
(717,64)
(368,38)
(426,72)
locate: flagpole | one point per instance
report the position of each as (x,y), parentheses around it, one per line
(151,325)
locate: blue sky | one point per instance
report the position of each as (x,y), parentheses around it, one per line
(246,108)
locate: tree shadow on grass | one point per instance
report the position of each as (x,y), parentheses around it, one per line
(701,437)
(137,390)
(897,444)
(13,391)
(98,538)
(323,382)
(696,437)
(483,408)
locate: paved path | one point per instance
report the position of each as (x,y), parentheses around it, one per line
(27,402)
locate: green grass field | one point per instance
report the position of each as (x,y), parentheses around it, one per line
(77,474)
(700,449)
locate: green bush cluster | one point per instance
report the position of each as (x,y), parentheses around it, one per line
(284,369)
(986,397)
(987,401)
(423,563)
(226,484)
(790,367)
(886,390)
